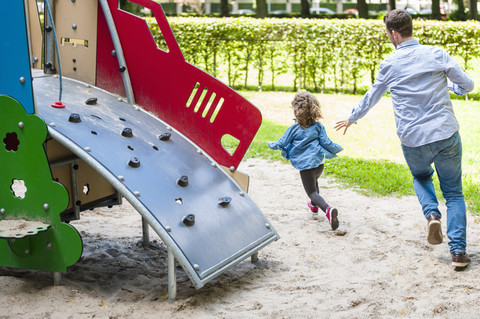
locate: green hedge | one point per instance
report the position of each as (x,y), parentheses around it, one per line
(319,54)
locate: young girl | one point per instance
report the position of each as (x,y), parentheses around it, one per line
(306,145)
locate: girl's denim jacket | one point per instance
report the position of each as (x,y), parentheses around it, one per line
(306,148)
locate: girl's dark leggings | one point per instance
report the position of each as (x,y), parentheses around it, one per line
(310,183)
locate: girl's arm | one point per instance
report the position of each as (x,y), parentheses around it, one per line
(283,141)
(327,143)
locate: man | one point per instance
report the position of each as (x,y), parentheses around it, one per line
(426,125)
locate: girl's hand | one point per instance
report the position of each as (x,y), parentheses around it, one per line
(343,124)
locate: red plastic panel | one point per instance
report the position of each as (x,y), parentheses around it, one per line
(108,75)
(194,102)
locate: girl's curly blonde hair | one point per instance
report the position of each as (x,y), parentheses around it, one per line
(306,108)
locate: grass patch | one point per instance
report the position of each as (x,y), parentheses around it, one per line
(371,177)
(269,131)
(471,190)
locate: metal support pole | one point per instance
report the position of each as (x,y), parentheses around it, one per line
(73,174)
(172,277)
(66,161)
(118,50)
(254,257)
(50,41)
(57,277)
(119,198)
(145,231)
(29,35)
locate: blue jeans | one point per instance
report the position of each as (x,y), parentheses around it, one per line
(447,157)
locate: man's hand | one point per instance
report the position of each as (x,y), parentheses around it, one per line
(343,124)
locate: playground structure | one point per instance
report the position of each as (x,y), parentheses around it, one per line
(90,105)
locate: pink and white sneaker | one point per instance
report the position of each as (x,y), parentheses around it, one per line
(313,208)
(332,216)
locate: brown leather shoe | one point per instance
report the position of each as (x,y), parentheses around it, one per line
(460,260)
(434,230)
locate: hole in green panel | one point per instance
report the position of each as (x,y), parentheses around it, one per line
(11,142)
(18,188)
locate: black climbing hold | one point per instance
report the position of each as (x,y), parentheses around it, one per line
(122,69)
(134,162)
(164,137)
(183,181)
(127,132)
(189,220)
(74,118)
(91,101)
(48,28)
(224,201)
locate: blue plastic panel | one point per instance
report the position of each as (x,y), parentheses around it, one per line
(15,79)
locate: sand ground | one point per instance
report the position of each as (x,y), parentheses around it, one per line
(377,264)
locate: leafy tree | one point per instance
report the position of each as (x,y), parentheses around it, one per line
(321,54)
(460,14)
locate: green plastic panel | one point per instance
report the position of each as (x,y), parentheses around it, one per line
(28,194)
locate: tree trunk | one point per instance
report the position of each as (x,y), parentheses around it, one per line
(262,10)
(436,10)
(339,6)
(362,9)
(224,8)
(460,14)
(461,6)
(473,10)
(305,9)
(391,5)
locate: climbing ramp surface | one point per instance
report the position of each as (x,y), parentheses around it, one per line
(196,208)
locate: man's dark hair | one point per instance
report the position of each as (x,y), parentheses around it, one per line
(400,21)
